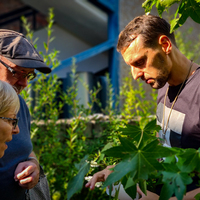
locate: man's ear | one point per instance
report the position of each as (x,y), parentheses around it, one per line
(166,44)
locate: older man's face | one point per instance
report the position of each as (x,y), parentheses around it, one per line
(7,76)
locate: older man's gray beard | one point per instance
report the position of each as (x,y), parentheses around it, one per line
(18,89)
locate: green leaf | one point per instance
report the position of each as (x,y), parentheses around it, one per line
(107,146)
(129,186)
(170,159)
(161,5)
(148,132)
(167,3)
(132,191)
(139,162)
(125,149)
(167,191)
(160,8)
(143,186)
(129,183)
(117,152)
(186,8)
(76,183)
(81,163)
(45,45)
(180,184)
(135,133)
(51,39)
(148,4)
(120,170)
(175,182)
(183,11)
(131,130)
(173,24)
(127,144)
(180,21)
(188,160)
(194,10)
(158,151)
(197,196)
(152,126)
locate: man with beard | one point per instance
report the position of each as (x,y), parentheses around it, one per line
(19,168)
(149,48)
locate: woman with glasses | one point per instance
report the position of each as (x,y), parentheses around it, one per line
(9,107)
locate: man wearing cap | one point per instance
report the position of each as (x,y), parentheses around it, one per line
(19,167)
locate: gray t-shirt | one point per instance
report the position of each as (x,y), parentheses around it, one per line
(184,123)
(18,151)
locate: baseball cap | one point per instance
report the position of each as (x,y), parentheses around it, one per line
(17,49)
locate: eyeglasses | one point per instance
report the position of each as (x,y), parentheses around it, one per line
(18,74)
(14,121)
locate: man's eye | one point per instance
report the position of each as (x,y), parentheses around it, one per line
(139,63)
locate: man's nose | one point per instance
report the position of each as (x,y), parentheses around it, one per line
(22,82)
(16,130)
(136,73)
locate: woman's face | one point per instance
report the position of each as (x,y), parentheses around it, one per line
(7,130)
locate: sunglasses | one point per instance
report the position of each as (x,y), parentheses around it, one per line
(18,74)
(14,121)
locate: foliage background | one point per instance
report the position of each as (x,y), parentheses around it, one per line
(59,147)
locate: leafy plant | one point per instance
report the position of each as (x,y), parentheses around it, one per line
(185,9)
(185,44)
(134,99)
(139,152)
(61,144)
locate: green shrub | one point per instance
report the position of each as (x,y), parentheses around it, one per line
(60,144)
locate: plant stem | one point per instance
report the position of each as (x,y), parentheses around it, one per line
(140,139)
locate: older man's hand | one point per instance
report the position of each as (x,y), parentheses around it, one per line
(27,174)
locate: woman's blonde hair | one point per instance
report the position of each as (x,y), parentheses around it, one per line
(8,98)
